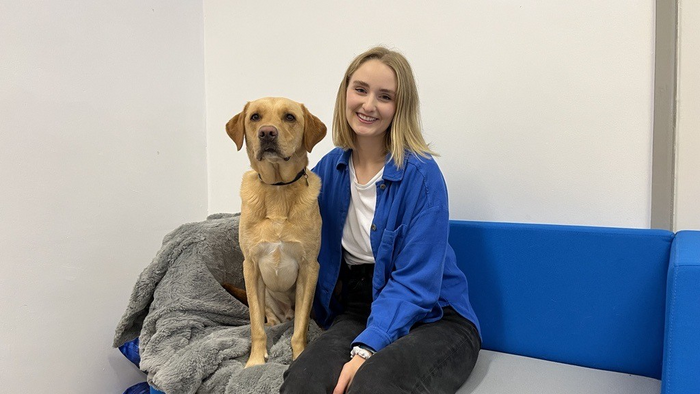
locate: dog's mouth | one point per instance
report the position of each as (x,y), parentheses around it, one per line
(271,153)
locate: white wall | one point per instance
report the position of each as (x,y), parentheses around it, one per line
(688,118)
(102,152)
(541,109)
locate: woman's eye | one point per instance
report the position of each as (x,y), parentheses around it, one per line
(385,98)
(255,117)
(290,118)
(359,90)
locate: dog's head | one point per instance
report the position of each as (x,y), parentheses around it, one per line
(276,130)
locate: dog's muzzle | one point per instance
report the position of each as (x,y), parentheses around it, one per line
(268,143)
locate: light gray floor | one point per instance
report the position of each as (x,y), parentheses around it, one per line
(501,373)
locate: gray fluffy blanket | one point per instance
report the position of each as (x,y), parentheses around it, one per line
(194,336)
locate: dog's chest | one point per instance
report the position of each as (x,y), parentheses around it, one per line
(279,264)
(278,203)
(278,254)
(276,232)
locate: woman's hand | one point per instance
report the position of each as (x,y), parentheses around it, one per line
(348,373)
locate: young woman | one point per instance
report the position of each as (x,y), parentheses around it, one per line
(389,290)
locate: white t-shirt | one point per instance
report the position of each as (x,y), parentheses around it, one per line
(363,199)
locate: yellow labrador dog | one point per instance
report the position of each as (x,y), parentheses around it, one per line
(280,224)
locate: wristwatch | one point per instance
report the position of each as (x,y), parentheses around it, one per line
(360,351)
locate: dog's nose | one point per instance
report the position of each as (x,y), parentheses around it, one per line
(267,133)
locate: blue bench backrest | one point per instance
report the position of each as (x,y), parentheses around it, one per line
(589,296)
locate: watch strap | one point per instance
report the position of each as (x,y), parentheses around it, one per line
(361,351)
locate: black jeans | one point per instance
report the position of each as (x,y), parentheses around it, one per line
(432,358)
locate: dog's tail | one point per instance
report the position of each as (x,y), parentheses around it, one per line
(237,293)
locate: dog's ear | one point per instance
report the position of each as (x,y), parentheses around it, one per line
(235,128)
(314,129)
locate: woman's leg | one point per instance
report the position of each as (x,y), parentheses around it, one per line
(318,367)
(432,358)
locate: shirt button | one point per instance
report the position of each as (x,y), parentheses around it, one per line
(382,186)
(374,227)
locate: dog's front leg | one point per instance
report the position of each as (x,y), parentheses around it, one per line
(306,285)
(255,288)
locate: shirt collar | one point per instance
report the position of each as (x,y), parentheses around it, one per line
(391,171)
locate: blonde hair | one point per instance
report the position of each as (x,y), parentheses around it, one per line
(405,129)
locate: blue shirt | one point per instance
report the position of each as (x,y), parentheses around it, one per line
(415,273)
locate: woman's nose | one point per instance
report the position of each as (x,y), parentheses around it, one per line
(370,103)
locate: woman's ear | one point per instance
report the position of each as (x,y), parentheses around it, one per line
(314,129)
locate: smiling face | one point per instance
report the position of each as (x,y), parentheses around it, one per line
(371,100)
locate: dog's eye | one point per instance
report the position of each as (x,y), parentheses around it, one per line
(255,117)
(290,118)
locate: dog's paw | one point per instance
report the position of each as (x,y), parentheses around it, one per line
(256,360)
(296,353)
(252,363)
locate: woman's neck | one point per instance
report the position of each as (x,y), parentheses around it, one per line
(368,158)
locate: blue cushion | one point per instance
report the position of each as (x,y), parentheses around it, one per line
(139,388)
(589,296)
(682,356)
(130,350)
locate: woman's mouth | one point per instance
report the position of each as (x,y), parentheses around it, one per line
(365,119)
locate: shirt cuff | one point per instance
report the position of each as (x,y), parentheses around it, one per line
(364,346)
(373,338)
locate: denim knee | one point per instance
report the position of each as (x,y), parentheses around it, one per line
(299,379)
(310,374)
(375,380)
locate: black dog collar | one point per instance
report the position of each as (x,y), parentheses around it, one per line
(301,173)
